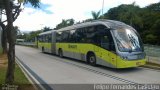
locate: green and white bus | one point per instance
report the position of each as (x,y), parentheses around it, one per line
(105,42)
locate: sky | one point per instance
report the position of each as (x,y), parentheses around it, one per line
(51,12)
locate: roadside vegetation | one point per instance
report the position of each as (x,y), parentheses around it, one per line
(9,12)
(20,79)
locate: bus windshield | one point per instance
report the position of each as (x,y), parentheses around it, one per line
(127,40)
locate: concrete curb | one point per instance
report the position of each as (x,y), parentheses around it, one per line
(26,75)
(37,85)
(152,65)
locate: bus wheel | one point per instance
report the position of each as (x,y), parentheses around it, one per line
(60,53)
(92,59)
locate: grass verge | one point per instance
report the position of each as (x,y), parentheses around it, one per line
(20,79)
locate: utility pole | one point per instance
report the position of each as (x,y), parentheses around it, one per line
(102,6)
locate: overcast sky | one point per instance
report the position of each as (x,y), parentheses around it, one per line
(52,12)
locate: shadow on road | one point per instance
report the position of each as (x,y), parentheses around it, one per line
(122,70)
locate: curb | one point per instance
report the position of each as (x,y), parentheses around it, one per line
(26,75)
(152,65)
(36,84)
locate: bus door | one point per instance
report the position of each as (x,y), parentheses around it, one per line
(113,58)
(108,51)
(53,43)
(112,53)
(105,49)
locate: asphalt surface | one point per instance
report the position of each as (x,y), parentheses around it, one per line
(58,73)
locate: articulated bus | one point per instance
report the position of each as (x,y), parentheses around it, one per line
(105,42)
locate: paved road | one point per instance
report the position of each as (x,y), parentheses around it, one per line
(51,69)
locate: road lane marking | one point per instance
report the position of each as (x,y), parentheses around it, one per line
(93,70)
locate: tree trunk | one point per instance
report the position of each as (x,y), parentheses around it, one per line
(11,41)
(4,38)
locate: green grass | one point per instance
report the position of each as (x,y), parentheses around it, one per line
(19,76)
(1,50)
(2,74)
(20,79)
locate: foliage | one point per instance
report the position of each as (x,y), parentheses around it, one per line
(29,37)
(145,20)
(95,15)
(46,29)
(34,3)
(154,7)
(11,10)
(65,23)
(150,38)
(32,35)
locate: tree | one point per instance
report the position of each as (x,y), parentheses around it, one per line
(150,38)
(46,29)
(30,37)
(154,7)
(12,11)
(95,15)
(17,31)
(145,20)
(151,20)
(65,23)
(4,36)
(129,14)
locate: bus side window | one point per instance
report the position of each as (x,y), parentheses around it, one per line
(43,38)
(39,38)
(105,42)
(90,34)
(100,36)
(72,36)
(80,35)
(65,36)
(58,36)
(49,38)
(46,38)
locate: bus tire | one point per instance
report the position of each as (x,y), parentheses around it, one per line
(92,59)
(60,53)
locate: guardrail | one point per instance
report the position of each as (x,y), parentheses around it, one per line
(27,43)
(153,53)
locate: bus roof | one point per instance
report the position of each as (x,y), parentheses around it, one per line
(47,32)
(108,23)
(116,24)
